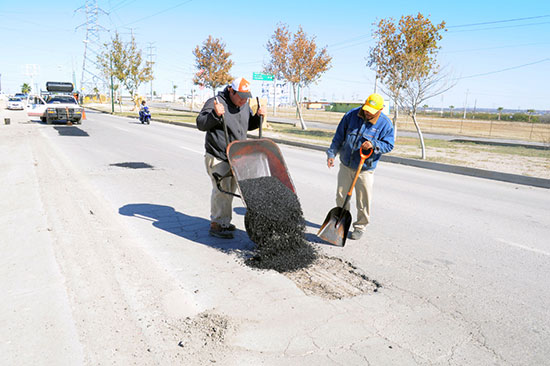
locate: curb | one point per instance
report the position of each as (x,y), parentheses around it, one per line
(455,169)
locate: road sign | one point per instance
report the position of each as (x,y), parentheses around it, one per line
(260,76)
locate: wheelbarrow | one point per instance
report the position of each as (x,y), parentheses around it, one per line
(249,159)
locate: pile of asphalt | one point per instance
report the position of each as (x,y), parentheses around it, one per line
(275,222)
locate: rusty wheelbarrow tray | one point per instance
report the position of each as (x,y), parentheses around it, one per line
(249,159)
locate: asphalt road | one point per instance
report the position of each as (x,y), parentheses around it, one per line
(111,264)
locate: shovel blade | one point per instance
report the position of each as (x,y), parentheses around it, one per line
(335,228)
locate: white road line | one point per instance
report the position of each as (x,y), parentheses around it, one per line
(195,151)
(524,247)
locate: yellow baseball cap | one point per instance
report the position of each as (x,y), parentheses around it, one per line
(374,103)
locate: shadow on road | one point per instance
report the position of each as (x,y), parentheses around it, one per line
(189,227)
(71,131)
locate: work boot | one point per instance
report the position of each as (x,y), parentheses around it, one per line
(219,232)
(229,227)
(356,234)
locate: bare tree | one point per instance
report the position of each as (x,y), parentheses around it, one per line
(295,58)
(213,64)
(421,88)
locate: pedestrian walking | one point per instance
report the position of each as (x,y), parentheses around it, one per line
(363,127)
(231,107)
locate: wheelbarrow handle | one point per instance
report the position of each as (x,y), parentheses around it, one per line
(218,178)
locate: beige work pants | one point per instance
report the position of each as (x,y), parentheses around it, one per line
(363,193)
(220,203)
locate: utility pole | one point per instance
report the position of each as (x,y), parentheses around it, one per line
(31,70)
(112,94)
(475,104)
(465,103)
(150,48)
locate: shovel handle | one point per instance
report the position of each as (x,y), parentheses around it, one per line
(261,118)
(224,126)
(363,158)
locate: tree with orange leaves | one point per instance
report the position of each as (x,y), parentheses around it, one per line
(405,60)
(213,64)
(295,58)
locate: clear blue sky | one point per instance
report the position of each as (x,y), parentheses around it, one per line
(505,61)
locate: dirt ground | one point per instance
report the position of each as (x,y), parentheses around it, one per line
(481,158)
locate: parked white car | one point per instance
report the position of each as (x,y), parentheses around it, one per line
(15,103)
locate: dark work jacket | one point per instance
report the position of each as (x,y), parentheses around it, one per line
(238,121)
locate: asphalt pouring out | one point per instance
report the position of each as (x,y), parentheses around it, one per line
(274,221)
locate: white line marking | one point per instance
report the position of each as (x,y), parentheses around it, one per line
(195,151)
(524,247)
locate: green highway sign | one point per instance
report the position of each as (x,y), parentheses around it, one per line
(260,76)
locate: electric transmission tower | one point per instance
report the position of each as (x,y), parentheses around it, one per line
(91,77)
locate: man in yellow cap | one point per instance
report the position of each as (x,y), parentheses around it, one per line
(363,127)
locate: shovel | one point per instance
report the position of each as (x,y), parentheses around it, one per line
(336,226)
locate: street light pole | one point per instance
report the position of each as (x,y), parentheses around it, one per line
(112,96)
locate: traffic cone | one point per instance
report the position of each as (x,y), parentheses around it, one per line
(83,114)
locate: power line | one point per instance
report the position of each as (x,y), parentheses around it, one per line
(160,12)
(498,21)
(495,48)
(503,27)
(507,69)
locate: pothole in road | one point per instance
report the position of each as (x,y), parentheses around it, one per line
(333,278)
(133,165)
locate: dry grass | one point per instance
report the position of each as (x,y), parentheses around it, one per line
(464,127)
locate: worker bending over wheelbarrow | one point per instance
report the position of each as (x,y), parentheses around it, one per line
(231,107)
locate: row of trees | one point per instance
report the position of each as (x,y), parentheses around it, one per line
(404,58)
(294,58)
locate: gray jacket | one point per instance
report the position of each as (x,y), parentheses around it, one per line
(238,121)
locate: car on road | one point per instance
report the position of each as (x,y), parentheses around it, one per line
(15,103)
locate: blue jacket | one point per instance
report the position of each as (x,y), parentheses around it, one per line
(353,130)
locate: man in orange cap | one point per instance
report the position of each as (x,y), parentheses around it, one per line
(231,107)
(363,127)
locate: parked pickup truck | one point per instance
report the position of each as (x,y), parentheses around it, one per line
(59,106)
